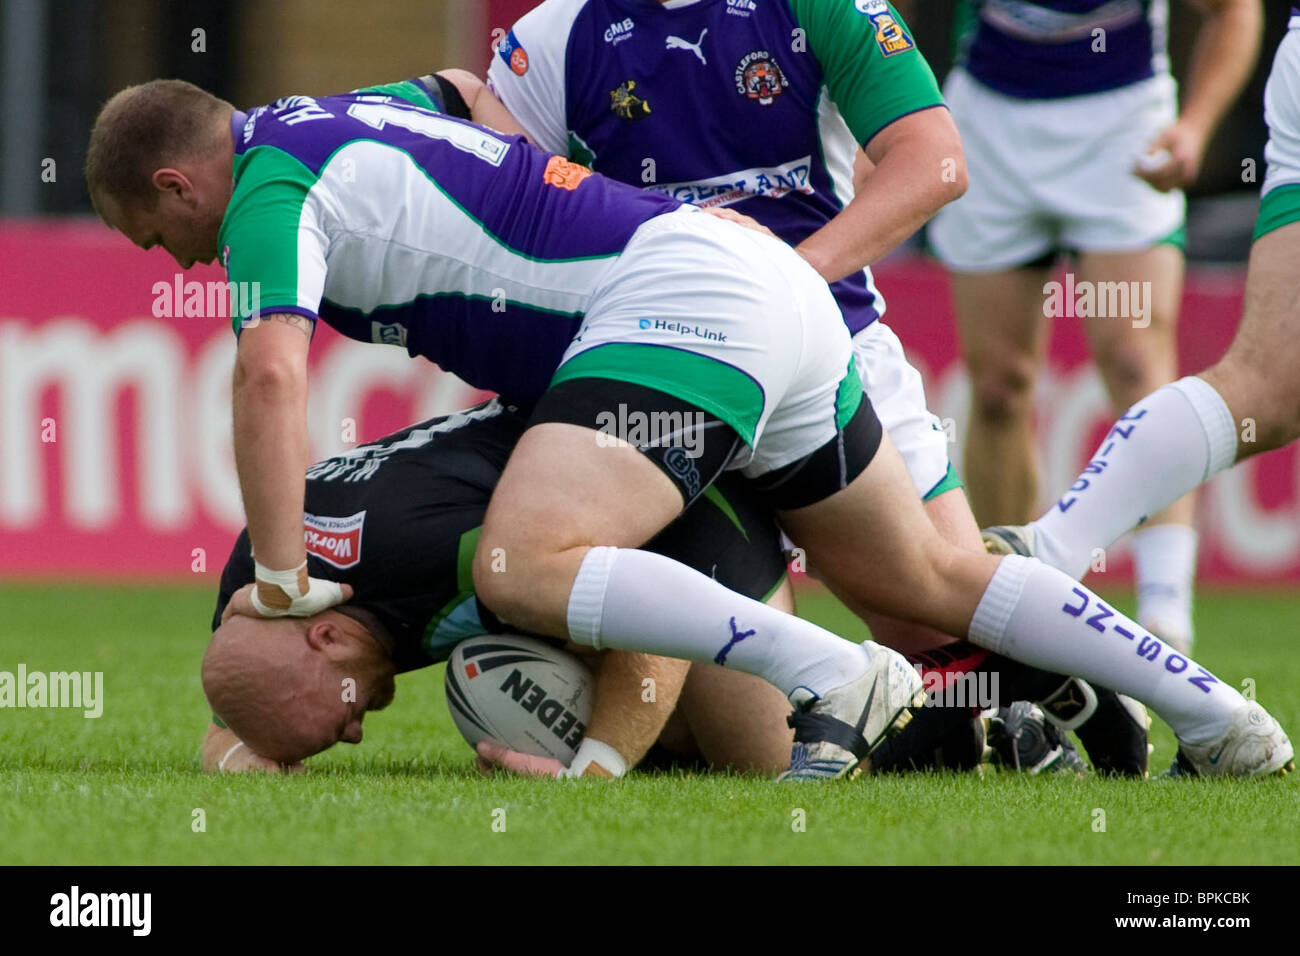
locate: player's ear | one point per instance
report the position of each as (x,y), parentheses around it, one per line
(168,180)
(324,635)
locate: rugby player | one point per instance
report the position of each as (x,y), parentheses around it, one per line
(1249,402)
(761,108)
(368,210)
(1075,143)
(396,520)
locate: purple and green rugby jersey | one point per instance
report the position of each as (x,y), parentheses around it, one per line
(398,225)
(756,104)
(1043,49)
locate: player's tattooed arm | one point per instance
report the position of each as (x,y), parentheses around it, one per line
(299,322)
(484,108)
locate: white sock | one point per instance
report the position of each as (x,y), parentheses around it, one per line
(1164,446)
(1165,557)
(1037,615)
(638,601)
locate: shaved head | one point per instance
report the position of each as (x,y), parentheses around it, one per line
(159,167)
(145,127)
(292,687)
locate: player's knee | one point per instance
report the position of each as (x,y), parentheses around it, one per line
(498,586)
(1265,408)
(1277,425)
(1130,371)
(1003,395)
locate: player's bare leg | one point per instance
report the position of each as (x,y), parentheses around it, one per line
(1003,334)
(1187,432)
(563,577)
(951,516)
(1259,377)
(1135,354)
(563,527)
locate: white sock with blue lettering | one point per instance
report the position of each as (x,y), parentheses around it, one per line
(632,600)
(1038,615)
(1164,558)
(1164,446)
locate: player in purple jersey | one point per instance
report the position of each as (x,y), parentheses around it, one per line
(762,108)
(1076,145)
(702,347)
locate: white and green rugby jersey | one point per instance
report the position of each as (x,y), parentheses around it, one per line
(398,225)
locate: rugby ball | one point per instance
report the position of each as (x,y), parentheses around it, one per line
(518,691)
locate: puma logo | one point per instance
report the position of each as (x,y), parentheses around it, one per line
(736,637)
(677,43)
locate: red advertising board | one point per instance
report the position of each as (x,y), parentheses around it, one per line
(115,454)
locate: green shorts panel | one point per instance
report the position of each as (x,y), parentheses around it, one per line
(849,396)
(1177,239)
(1279,207)
(720,389)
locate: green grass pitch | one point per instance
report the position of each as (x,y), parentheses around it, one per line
(125,788)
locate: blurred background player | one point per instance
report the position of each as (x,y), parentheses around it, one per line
(1075,143)
(1246,404)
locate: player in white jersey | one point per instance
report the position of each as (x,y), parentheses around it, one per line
(1248,403)
(1075,143)
(725,331)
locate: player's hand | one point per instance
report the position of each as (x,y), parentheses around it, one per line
(244,760)
(740,219)
(1173,160)
(492,756)
(241,602)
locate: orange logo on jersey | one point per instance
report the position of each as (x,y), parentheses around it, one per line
(519,61)
(564,174)
(889,35)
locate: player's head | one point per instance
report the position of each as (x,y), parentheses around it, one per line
(158,167)
(292,687)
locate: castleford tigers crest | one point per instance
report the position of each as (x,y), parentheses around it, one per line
(625,104)
(759,78)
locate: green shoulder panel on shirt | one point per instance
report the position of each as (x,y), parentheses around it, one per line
(870,62)
(407,90)
(261,227)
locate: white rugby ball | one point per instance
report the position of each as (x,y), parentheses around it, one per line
(518,691)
